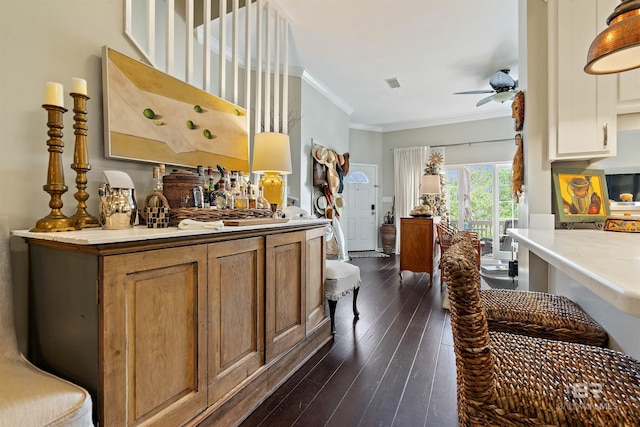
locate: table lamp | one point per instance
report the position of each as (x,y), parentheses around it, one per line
(272,157)
(430,184)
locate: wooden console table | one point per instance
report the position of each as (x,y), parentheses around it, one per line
(172,327)
(416,246)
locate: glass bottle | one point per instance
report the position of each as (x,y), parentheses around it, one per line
(233,188)
(253,200)
(262,202)
(223,197)
(154,200)
(240,195)
(198,190)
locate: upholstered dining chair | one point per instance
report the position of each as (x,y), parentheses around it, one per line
(537,314)
(28,395)
(508,379)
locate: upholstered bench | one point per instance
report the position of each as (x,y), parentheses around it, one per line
(341,278)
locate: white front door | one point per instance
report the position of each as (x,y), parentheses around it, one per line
(361,199)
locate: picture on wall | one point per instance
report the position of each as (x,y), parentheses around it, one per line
(153,117)
(581,195)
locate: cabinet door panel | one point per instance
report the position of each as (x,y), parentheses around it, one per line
(154,335)
(286,296)
(236,331)
(582,107)
(315,278)
(416,243)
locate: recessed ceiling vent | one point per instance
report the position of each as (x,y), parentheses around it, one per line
(393,83)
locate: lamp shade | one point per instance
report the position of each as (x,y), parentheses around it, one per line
(271,153)
(430,184)
(617,48)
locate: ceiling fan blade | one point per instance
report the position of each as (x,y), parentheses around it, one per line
(474,92)
(484,101)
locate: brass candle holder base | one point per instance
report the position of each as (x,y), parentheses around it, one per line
(56,220)
(81,219)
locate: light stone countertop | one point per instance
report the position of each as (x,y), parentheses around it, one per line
(605,262)
(98,236)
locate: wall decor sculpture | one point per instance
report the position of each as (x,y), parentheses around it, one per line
(153,117)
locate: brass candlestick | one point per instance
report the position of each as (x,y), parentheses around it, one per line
(56,220)
(81,219)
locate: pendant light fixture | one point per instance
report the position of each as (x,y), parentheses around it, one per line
(617,48)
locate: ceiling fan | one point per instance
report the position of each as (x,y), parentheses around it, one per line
(504,88)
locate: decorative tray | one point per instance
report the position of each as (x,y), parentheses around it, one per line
(254,221)
(201,214)
(624,224)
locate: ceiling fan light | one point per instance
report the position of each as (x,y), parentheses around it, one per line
(617,48)
(503,96)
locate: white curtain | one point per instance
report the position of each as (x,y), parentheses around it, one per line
(408,166)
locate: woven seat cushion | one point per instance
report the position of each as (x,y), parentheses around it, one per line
(540,315)
(341,278)
(508,379)
(560,383)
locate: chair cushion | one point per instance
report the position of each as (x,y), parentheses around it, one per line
(341,278)
(32,397)
(542,315)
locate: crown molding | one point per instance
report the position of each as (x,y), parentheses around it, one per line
(324,90)
(392,127)
(361,126)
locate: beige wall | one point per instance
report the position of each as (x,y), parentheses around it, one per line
(39,42)
(326,124)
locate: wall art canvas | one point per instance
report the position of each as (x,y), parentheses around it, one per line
(581,195)
(153,117)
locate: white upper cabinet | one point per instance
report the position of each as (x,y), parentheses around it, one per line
(629,91)
(582,107)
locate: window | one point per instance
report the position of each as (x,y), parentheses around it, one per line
(479,198)
(357,178)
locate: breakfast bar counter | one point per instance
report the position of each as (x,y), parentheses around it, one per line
(599,270)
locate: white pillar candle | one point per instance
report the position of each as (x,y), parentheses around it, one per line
(53,94)
(79,85)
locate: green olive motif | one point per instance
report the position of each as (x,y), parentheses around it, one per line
(197,108)
(148,113)
(190,124)
(207,134)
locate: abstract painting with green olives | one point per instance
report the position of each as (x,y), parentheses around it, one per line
(153,117)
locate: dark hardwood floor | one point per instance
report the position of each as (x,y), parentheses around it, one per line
(395,366)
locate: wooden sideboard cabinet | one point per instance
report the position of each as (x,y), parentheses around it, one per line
(177,331)
(416,246)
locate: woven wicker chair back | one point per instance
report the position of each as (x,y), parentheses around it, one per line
(469,324)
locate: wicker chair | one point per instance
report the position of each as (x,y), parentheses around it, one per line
(513,380)
(445,233)
(536,314)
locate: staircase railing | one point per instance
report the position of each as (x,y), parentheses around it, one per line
(177,37)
